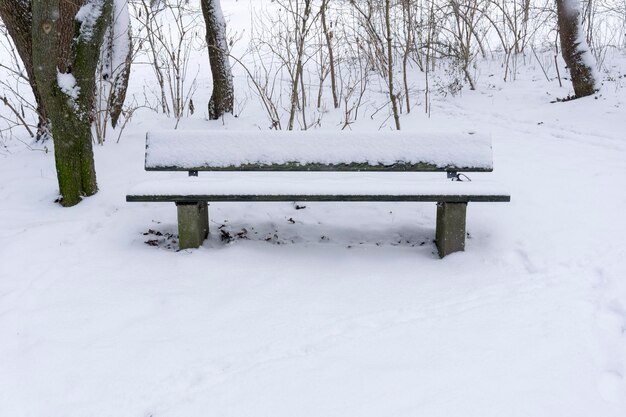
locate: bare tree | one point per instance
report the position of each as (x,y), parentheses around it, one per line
(576,53)
(222,98)
(113,72)
(17,16)
(392,96)
(167,32)
(380,49)
(116,56)
(13,79)
(328,35)
(409,46)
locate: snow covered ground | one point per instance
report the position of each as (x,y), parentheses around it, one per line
(332,309)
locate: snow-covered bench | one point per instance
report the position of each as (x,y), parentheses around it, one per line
(383,162)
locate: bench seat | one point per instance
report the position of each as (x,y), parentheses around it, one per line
(312,187)
(317,151)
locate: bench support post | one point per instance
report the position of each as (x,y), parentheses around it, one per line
(193,224)
(450,234)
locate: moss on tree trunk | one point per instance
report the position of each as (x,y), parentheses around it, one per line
(56,33)
(73,152)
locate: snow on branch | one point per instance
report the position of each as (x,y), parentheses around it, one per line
(88,16)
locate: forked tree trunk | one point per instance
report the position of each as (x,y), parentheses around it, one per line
(574,48)
(67,84)
(17,17)
(222,98)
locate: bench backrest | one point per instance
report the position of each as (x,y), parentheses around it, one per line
(218,150)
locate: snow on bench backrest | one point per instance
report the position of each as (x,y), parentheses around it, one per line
(180,150)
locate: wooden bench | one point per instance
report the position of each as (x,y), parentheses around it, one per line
(373,155)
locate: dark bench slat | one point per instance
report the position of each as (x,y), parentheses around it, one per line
(464,198)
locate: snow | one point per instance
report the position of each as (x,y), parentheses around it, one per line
(188,149)
(67,84)
(573,8)
(348,184)
(329,309)
(113,71)
(115,48)
(88,16)
(216,8)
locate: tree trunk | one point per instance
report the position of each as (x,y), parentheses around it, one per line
(574,48)
(299,36)
(116,59)
(392,95)
(222,98)
(67,84)
(17,17)
(331,54)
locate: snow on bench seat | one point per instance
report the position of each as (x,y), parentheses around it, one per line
(315,187)
(317,151)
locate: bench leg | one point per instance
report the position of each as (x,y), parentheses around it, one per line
(193,224)
(450,234)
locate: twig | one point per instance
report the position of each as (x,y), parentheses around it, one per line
(18,115)
(540,64)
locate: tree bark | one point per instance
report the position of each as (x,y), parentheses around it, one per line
(328,34)
(222,98)
(67,84)
(17,17)
(574,48)
(392,95)
(116,59)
